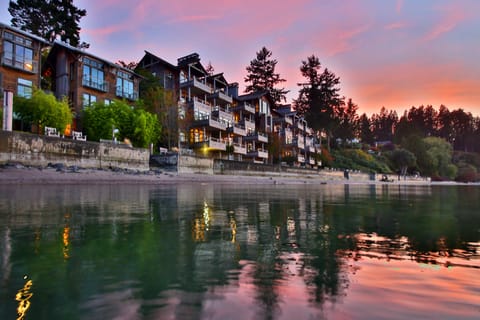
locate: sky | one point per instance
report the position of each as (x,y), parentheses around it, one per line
(388,53)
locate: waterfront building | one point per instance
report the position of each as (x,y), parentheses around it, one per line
(85,79)
(20,67)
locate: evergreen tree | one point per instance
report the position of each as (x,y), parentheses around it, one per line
(365,129)
(262,76)
(48,19)
(319,98)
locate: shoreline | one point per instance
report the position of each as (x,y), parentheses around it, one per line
(21,175)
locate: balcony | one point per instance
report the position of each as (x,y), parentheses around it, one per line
(27,66)
(289,120)
(245,107)
(300,158)
(258,136)
(201,106)
(216,144)
(222,114)
(239,149)
(311,161)
(196,84)
(248,124)
(238,130)
(258,154)
(208,121)
(220,95)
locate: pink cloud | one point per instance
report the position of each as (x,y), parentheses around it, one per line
(399,6)
(452,17)
(395,26)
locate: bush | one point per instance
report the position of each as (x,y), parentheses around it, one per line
(466,173)
(43,109)
(357,159)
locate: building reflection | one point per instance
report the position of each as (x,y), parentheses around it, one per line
(195,243)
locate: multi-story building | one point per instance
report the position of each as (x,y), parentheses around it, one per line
(167,76)
(85,79)
(297,139)
(20,61)
(254,111)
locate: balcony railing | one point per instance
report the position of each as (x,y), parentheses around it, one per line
(259,136)
(238,130)
(260,153)
(28,66)
(311,161)
(288,120)
(201,105)
(223,114)
(96,84)
(127,95)
(301,159)
(248,124)
(214,143)
(239,149)
(221,96)
(194,82)
(245,107)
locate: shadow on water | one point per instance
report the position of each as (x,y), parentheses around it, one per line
(207,251)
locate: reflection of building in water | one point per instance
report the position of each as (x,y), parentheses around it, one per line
(5,253)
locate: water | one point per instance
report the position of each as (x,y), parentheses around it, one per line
(240,252)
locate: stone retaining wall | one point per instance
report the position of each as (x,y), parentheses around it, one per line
(36,150)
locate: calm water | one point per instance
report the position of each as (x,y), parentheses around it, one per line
(248,252)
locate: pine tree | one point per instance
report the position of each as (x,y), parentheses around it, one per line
(318,99)
(262,77)
(48,19)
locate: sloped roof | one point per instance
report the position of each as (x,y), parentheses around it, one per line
(159,60)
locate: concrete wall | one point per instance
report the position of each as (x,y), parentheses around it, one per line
(36,150)
(190,164)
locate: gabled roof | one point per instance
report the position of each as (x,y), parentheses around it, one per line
(254,95)
(159,60)
(57,44)
(25,33)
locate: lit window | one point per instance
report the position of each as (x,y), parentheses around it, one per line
(16,54)
(24,88)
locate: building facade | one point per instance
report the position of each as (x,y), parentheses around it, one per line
(85,79)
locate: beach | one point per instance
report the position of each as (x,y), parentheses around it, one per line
(19,174)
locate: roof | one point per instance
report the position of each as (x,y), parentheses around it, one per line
(160,60)
(254,95)
(57,43)
(25,33)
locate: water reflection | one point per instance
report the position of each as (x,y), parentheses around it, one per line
(206,251)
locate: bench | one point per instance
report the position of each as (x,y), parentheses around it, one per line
(51,132)
(77,135)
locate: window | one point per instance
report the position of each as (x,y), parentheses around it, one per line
(24,88)
(88,99)
(107,102)
(125,86)
(17,53)
(93,75)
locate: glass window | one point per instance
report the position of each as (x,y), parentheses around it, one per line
(18,56)
(125,86)
(107,102)
(24,88)
(88,99)
(93,75)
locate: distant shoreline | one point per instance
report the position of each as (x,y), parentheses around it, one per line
(20,175)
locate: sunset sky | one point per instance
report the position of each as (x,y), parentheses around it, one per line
(391,53)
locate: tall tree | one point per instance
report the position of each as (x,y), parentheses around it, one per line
(384,124)
(365,129)
(347,120)
(48,19)
(262,77)
(318,98)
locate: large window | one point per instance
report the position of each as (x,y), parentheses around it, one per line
(17,52)
(24,88)
(88,99)
(93,75)
(125,86)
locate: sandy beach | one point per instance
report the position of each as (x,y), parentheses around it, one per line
(18,174)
